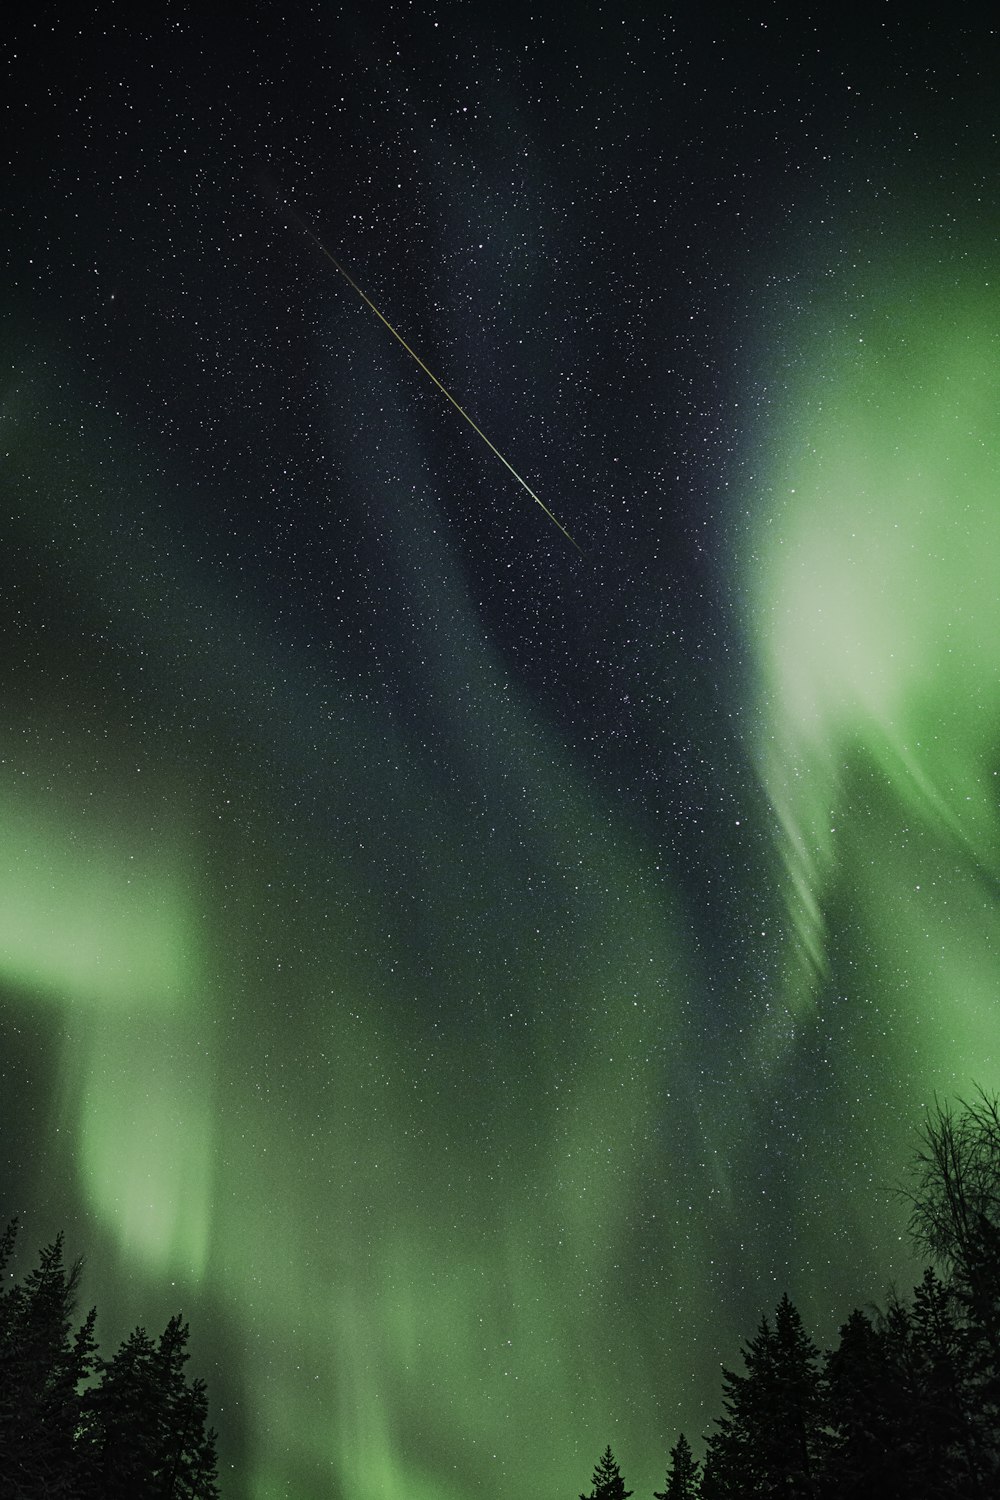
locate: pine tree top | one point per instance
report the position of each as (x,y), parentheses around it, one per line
(607,1481)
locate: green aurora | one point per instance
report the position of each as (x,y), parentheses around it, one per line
(872,589)
(454,1285)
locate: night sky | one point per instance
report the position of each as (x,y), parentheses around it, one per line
(470,979)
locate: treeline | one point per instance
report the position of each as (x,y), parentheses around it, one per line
(79,1427)
(907,1405)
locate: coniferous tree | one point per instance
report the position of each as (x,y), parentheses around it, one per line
(124,1421)
(682,1476)
(42,1365)
(896,1404)
(141,1430)
(8,1343)
(908,1407)
(607,1481)
(948,1457)
(187,1449)
(713,1480)
(862,1412)
(770,1440)
(148,1424)
(191,1473)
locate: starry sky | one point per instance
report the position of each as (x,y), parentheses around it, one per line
(470,979)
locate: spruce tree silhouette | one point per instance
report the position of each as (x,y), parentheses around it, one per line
(863,1413)
(607,1480)
(42,1365)
(149,1435)
(770,1441)
(141,1430)
(682,1476)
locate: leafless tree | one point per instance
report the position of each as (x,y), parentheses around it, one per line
(954,1198)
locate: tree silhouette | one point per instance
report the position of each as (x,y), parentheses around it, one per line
(770,1440)
(42,1365)
(954,1202)
(955,1205)
(906,1407)
(148,1433)
(682,1476)
(862,1411)
(607,1481)
(141,1430)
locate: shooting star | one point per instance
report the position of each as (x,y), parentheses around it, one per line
(442,388)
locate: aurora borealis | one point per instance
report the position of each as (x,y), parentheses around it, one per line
(473,981)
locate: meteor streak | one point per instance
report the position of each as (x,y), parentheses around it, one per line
(413,355)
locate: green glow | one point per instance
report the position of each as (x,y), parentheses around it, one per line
(452,1277)
(876,613)
(146,1136)
(410,1165)
(99,923)
(408,1095)
(86,914)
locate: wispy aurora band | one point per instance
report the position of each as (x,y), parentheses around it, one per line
(874,599)
(98,921)
(429,1314)
(406,1333)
